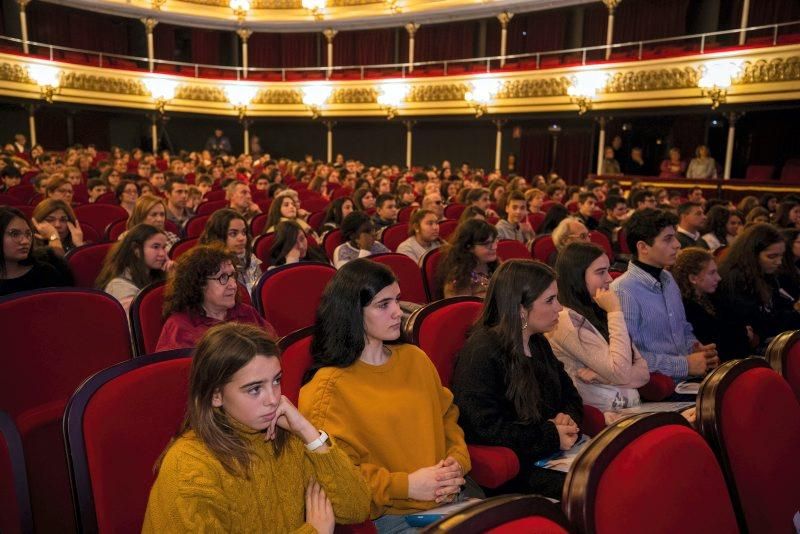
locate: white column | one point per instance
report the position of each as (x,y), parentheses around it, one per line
(244,35)
(149,26)
(32,125)
(744,21)
(498,143)
(504,18)
(329,145)
(732,118)
(23,24)
(409,141)
(329,34)
(611,5)
(411,28)
(154,133)
(601,144)
(246,125)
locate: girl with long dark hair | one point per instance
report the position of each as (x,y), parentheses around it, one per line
(383,402)
(591,338)
(510,388)
(723,227)
(469,260)
(245,459)
(230,228)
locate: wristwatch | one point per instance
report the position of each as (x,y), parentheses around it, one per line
(319,442)
(54,237)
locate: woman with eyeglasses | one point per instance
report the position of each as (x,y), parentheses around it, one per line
(202,292)
(230,228)
(469,260)
(358,234)
(56,226)
(136,261)
(127,193)
(23,268)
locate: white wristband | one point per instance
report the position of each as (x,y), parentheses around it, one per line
(317,443)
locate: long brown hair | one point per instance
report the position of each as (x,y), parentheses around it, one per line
(517,283)
(691,262)
(222,351)
(126,257)
(142,207)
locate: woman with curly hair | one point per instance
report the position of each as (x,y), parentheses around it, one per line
(203,292)
(723,227)
(750,293)
(152,210)
(136,261)
(469,260)
(230,228)
(56,226)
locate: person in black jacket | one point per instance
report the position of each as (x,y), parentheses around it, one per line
(750,293)
(510,388)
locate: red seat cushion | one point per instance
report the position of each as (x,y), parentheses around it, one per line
(181,247)
(791,369)
(408,274)
(766,471)
(196,225)
(430,266)
(332,240)
(658,388)
(99,216)
(261,247)
(446,228)
(146,318)
(532,524)
(209,207)
(509,249)
(543,247)
(295,361)
(492,466)
(593,421)
(394,235)
(673,467)
(86,262)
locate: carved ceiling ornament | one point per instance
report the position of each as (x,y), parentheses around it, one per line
(278,97)
(442,92)
(102,84)
(203,93)
(534,87)
(653,80)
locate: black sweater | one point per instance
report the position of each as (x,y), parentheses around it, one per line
(488,417)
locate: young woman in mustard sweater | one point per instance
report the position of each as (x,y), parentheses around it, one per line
(384,404)
(245,460)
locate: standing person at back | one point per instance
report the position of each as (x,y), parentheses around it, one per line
(651,300)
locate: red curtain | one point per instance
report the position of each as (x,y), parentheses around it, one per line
(164,42)
(264,50)
(534,32)
(299,50)
(368,47)
(534,150)
(635,20)
(574,155)
(205,46)
(442,42)
(73,28)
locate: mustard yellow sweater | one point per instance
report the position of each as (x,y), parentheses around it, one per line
(194,493)
(391,420)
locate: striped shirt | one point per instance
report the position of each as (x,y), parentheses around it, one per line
(656,320)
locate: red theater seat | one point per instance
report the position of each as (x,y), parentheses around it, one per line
(510,249)
(394,235)
(454,211)
(22,192)
(446,228)
(542,248)
(261,247)
(739,404)
(536,220)
(15,504)
(408,274)
(258,224)
(783,354)
(209,207)
(404,215)
(86,331)
(429,265)
(288,296)
(599,238)
(117,424)
(673,468)
(440,329)
(99,216)
(332,240)
(506,514)
(86,262)
(196,225)
(182,246)
(759,173)
(295,361)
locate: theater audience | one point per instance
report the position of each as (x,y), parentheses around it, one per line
(96,188)
(471,212)
(468,260)
(509,387)
(56,226)
(554,216)
(364,199)
(610,164)
(202,291)
(434,203)
(570,230)
(423,235)
(702,165)
(336,211)
(787,214)
(127,193)
(358,236)
(789,273)
(136,261)
(534,198)
(515,225)
(695,272)
(245,459)
(723,226)
(769,202)
(616,212)
(757,215)
(636,164)
(228,228)
(691,222)
(587,204)
(23,267)
(413,457)
(674,166)
(285,207)
(291,246)
(651,300)
(385,212)
(240,199)
(591,338)
(479,197)
(750,293)
(152,210)
(177,192)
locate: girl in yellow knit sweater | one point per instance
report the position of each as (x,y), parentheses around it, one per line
(245,459)
(385,404)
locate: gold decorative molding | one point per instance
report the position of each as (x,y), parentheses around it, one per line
(276,96)
(329,34)
(244,34)
(504,18)
(437,92)
(531,88)
(653,80)
(202,93)
(354,95)
(14,73)
(774,70)
(102,84)
(149,24)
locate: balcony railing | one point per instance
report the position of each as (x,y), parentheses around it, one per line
(768,35)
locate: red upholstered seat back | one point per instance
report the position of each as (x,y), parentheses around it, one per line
(408,273)
(599,238)
(440,329)
(98,216)
(394,235)
(118,424)
(506,514)
(212,196)
(509,249)
(182,246)
(146,320)
(547,204)
(759,431)
(536,219)
(262,245)
(539,525)
(792,369)
(404,215)
(22,192)
(116,229)
(446,228)
(543,247)
(430,264)
(315,219)
(454,211)
(295,361)
(86,262)
(15,505)
(258,224)
(287,297)
(210,206)
(622,239)
(332,240)
(196,225)
(313,204)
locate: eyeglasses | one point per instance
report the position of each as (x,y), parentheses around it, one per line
(223,279)
(19,235)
